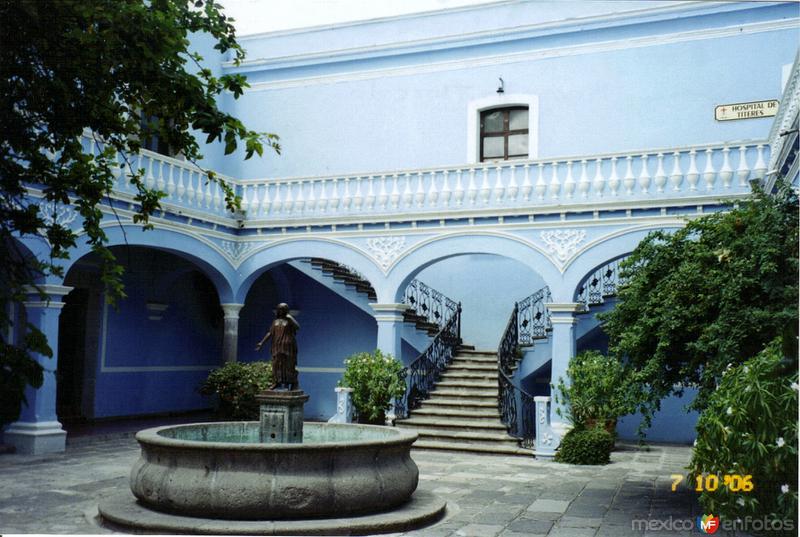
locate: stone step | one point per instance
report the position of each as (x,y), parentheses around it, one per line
(480,384)
(479,424)
(462,359)
(449,374)
(473,352)
(464,402)
(500,449)
(424,410)
(472,368)
(465,392)
(445,435)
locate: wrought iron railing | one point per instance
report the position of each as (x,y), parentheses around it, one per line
(422,374)
(517,407)
(429,303)
(600,284)
(533,317)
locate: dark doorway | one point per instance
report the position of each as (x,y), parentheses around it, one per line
(71,356)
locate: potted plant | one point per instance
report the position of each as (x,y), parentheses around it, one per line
(596,395)
(376,381)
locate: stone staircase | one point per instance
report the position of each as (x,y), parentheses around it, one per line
(351,279)
(462,413)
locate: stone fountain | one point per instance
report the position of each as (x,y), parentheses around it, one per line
(276,476)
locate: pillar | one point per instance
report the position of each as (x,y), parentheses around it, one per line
(562,315)
(390,328)
(38,429)
(230,336)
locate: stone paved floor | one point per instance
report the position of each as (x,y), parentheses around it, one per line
(487,495)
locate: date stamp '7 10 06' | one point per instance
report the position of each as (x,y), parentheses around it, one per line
(711,482)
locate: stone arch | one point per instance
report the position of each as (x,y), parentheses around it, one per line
(201,252)
(603,251)
(428,252)
(286,250)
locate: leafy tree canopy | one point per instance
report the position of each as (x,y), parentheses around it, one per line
(707,296)
(69,67)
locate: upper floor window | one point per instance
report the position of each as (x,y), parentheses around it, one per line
(504,133)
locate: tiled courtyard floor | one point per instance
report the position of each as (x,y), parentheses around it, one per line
(487,495)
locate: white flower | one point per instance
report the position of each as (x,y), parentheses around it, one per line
(780,442)
(740,501)
(746,369)
(729,411)
(795,386)
(695,442)
(784,488)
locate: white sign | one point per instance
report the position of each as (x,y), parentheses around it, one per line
(751,110)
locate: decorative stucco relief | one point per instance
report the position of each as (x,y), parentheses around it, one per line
(563,242)
(237,251)
(385,250)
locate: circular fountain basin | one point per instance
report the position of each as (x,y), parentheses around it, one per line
(221,470)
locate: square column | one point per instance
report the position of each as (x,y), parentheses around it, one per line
(390,328)
(230,334)
(563,318)
(38,429)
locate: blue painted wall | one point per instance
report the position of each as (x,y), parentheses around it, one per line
(331,329)
(487,287)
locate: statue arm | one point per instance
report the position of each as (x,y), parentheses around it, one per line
(264,339)
(293,321)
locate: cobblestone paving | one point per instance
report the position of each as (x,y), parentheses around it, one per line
(487,495)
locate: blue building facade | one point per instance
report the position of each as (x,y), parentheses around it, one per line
(491,151)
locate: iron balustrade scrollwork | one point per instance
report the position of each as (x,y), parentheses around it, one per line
(533,317)
(517,407)
(600,284)
(429,303)
(421,375)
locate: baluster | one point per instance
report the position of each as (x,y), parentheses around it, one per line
(513,188)
(190,191)
(408,195)
(181,184)
(217,197)
(347,199)
(661,175)
(499,188)
(446,192)
(676,176)
(322,200)
(245,203)
(613,178)
(279,197)
(358,198)
(569,182)
(335,199)
(486,189)
(370,199)
(472,193)
(743,171)
(459,193)
(709,175)
(171,180)
(644,176)
(395,197)
(527,186)
(583,182)
(541,185)
(311,200)
(726,172)
(208,197)
(419,197)
(555,183)
(760,167)
(288,200)
(266,203)
(149,180)
(598,182)
(433,192)
(300,200)
(160,183)
(383,195)
(628,180)
(692,175)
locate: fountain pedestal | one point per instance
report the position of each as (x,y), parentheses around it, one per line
(281,416)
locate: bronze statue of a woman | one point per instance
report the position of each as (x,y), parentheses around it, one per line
(284,349)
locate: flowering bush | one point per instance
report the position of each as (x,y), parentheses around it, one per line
(597,392)
(750,428)
(376,380)
(237,384)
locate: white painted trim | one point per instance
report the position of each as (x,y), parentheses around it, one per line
(49,289)
(538,54)
(501,100)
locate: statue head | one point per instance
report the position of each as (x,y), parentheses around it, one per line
(282,310)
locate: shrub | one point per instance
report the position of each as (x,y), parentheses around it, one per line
(237,384)
(376,380)
(750,428)
(586,446)
(597,391)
